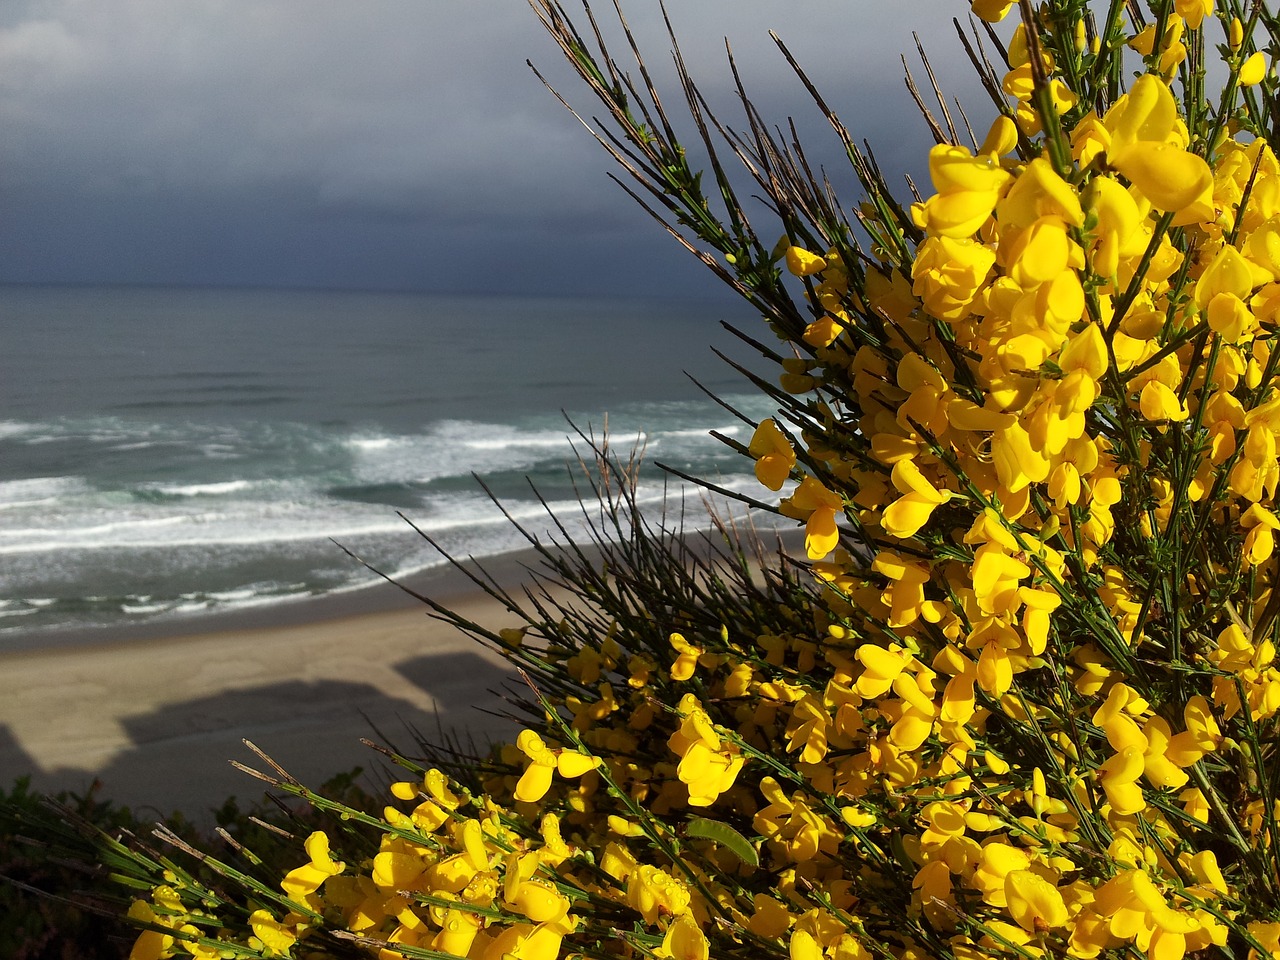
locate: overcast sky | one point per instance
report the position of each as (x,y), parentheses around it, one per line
(398,144)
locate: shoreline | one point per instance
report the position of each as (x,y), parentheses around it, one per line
(156,714)
(443,582)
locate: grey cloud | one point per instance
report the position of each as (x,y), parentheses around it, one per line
(386,111)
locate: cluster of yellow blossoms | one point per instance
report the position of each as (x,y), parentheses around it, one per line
(1030,706)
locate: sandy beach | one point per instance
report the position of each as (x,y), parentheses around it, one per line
(157,719)
(156,712)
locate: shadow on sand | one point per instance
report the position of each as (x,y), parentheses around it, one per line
(178,755)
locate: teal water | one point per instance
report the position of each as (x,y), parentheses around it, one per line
(168,453)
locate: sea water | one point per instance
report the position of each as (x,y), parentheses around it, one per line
(166,453)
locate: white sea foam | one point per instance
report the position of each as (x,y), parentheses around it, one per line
(201,531)
(141,608)
(200,489)
(38,490)
(233,596)
(372,443)
(220,451)
(455,448)
(506,443)
(703,433)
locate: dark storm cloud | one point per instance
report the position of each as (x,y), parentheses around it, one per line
(384,143)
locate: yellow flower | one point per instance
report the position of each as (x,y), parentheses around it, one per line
(1119,231)
(1170,177)
(536,779)
(303,881)
(1193,11)
(1002,137)
(1148,146)
(880,668)
(544,762)
(1158,402)
(1202,735)
(968,189)
(1253,70)
(993,11)
(1036,194)
(655,892)
(1018,462)
(540,901)
(684,940)
(527,941)
(457,932)
(1144,41)
(1035,904)
(858,819)
(1139,912)
(774,455)
(151,944)
(1119,778)
(399,865)
(708,765)
(1228,273)
(906,515)
(274,934)
(802,263)
(1260,541)
(807,729)
(997,860)
(948,273)
(687,661)
(821,506)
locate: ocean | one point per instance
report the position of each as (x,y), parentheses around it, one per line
(166,454)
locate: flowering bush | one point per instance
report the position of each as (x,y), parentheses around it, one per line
(1022,698)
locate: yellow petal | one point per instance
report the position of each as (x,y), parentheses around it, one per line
(684,940)
(802,263)
(540,902)
(1017,462)
(1253,70)
(396,870)
(1228,272)
(992,11)
(1147,112)
(1035,904)
(1086,351)
(911,730)
(905,516)
(966,415)
(957,215)
(1003,135)
(271,931)
(856,818)
(1168,176)
(804,946)
(1159,402)
(534,783)
(1043,252)
(1230,318)
(821,533)
(570,763)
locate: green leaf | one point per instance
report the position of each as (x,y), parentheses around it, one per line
(725,836)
